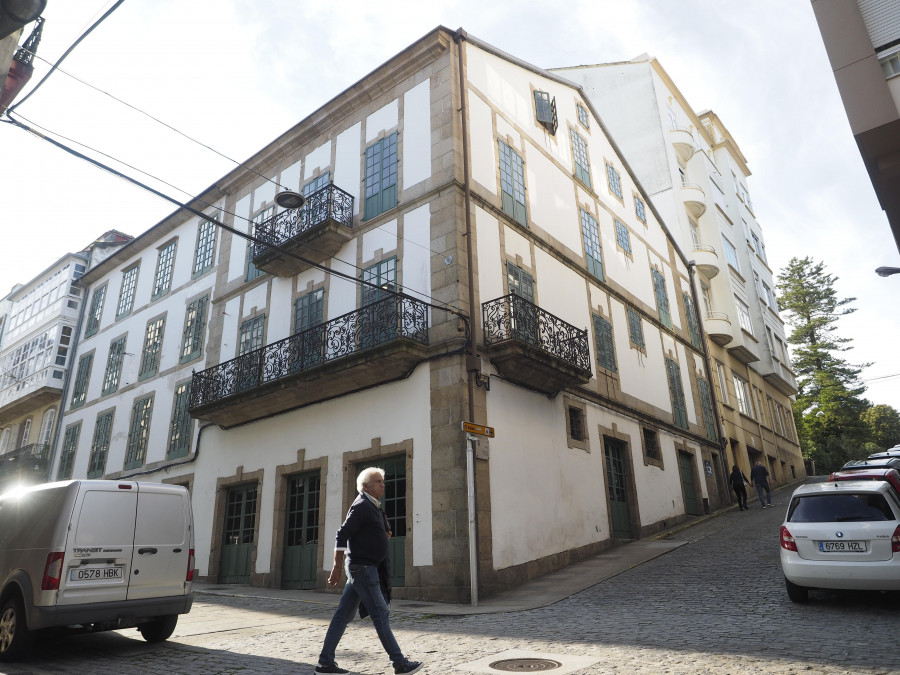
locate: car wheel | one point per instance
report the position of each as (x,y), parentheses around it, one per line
(15,638)
(159,629)
(795,592)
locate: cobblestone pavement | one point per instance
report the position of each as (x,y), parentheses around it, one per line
(716,606)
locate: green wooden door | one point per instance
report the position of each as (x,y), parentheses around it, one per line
(617,487)
(686,468)
(394,504)
(239,535)
(301,537)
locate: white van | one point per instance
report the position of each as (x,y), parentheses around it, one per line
(94,555)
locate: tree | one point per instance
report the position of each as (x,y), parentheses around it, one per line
(828,407)
(883,423)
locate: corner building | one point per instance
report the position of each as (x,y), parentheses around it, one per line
(516,276)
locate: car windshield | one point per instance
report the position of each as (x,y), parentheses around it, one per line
(829,508)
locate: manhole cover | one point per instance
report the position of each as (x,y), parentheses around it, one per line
(525,665)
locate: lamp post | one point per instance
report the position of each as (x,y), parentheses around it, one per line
(887,271)
(293,200)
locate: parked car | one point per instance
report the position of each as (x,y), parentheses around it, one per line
(878,463)
(891,476)
(102,555)
(886,454)
(841,535)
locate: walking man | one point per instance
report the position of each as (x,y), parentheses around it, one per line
(364,539)
(759,476)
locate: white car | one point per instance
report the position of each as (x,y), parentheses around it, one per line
(841,535)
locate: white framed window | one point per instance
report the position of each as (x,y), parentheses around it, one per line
(742,392)
(731,254)
(744,316)
(723,383)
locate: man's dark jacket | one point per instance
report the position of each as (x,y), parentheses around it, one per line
(365,535)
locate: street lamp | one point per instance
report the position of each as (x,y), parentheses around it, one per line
(887,271)
(293,200)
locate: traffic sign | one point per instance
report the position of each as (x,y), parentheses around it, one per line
(479,429)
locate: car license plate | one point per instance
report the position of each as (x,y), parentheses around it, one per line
(842,546)
(95,573)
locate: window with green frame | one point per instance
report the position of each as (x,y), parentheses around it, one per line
(181,427)
(545,111)
(520,282)
(623,237)
(606,351)
(639,209)
(251,336)
(309,311)
(381,176)
(95,312)
(67,456)
(253,272)
(693,323)
(512,184)
(593,254)
(383,275)
(82,377)
(100,445)
(113,366)
(194,327)
(580,154)
(615,183)
(317,183)
(583,115)
(662,298)
(206,245)
(706,403)
(152,351)
(138,433)
(126,293)
(676,391)
(162,280)
(635,328)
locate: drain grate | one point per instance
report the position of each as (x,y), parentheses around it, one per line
(525,665)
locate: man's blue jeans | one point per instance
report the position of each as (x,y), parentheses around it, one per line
(362,586)
(759,489)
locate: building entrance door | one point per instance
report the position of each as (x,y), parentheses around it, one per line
(239,535)
(301,534)
(617,487)
(686,468)
(394,504)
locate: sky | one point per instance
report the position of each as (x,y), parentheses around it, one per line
(235,74)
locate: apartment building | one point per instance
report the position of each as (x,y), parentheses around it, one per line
(473,248)
(697,177)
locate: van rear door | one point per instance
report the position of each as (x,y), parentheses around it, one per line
(100,543)
(162,542)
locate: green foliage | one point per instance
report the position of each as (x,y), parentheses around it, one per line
(883,423)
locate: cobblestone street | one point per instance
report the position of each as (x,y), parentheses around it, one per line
(716,605)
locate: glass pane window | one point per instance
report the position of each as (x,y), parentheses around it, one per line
(615,184)
(709,419)
(662,298)
(742,392)
(606,353)
(545,111)
(181,426)
(113,366)
(512,183)
(381,176)
(744,316)
(583,115)
(676,391)
(592,251)
(79,392)
(253,272)
(150,355)
(639,209)
(251,334)
(206,244)
(100,445)
(731,254)
(579,151)
(309,311)
(383,275)
(635,328)
(623,237)
(138,432)
(162,281)
(126,294)
(95,312)
(194,327)
(67,456)
(520,282)
(693,323)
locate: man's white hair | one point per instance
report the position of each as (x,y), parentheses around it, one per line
(366,475)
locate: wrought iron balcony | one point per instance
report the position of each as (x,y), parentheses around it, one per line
(378,343)
(316,232)
(534,348)
(30,463)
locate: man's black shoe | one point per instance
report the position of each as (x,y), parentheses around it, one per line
(408,668)
(333,668)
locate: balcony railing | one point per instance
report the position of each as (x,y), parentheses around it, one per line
(27,459)
(325,221)
(392,319)
(549,348)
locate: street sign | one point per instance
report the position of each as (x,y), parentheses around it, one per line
(479,429)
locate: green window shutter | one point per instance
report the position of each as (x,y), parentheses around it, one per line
(606,354)
(381,176)
(662,298)
(677,393)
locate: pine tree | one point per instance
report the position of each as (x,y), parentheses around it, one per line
(828,406)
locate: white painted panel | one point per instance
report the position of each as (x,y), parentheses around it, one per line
(347,163)
(320,158)
(238,257)
(382,120)
(342,293)
(549,194)
(255,300)
(290,177)
(264,195)
(279,319)
(230,326)
(515,245)
(561,291)
(687,381)
(490,271)
(483,145)
(417,253)
(383,237)
(416,134)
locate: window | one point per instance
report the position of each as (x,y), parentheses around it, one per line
(520,282)
(662,298)
(150,355)
(252,334)
(576,423)
(695,234)
(253,272)
(890,65)
(770,297)
(723,386)
(162,281)
(651,443)
(639,209)
(95,311)
(181,427)
(706,403)
(593,255)
(65,339)
(635,328)
(583,115)
(381,176)
(100,445)
(126,293)
(606,353)
(47,427)
(138,433)
(113,366)
(79,392)
(206,245)
(194,325)
(582,166)
(317,183)
(612,176)
(309,310)
(693,324)
(731,254)
(677,392)
(67,456)
(383,275)
(512,184)
(545,111)
(742,392)
(623,237)
(744,316)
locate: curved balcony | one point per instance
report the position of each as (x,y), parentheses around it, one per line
(718,327)
(534,348)
(706,260)
(694,199)
(683,142)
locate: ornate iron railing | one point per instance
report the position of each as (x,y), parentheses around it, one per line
(392,318)
(514,318)
(329,203)
(34,456)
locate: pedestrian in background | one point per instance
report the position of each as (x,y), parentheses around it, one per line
(759,476)
(738,481)
(364,538)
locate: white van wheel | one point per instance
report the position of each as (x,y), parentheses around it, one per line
(159,629)
(14,635)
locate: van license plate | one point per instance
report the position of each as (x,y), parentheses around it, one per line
(842,546)
(95,573)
